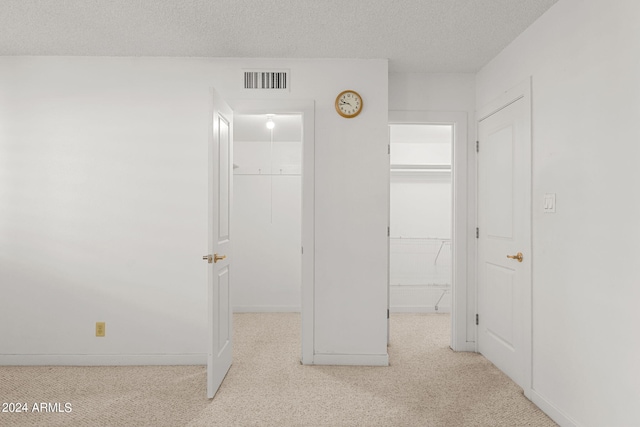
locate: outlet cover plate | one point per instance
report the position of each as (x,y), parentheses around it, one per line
(100,329)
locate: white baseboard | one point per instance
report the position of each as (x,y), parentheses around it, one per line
(419,309)
(467,346)
(102,359)
(266,309)
(552,411)
(351,359)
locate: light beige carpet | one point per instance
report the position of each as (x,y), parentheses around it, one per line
(427,384)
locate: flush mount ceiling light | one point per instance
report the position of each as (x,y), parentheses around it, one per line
(270,123)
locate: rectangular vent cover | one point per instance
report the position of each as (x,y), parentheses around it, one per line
(266,79)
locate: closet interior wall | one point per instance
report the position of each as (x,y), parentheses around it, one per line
(267,213)
(421,218)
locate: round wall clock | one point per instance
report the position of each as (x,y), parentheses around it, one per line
(349,104)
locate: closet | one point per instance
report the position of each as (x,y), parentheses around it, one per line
(267,213)
(421,218)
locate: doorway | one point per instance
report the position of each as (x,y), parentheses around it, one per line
(420,241)
(220,230)
(305,111)
(462,291)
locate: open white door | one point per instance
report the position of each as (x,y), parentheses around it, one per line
(220,347)
(504,239)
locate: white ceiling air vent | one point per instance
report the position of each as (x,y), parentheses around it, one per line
(272,79)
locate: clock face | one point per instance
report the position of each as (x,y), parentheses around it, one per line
(349,104)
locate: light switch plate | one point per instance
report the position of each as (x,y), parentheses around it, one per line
(550,203)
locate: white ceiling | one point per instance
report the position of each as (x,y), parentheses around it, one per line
(415,35)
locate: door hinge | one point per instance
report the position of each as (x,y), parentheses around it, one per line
(477,319)
(388,231)
(477,232)
(477,146)
(387,313)
(389,149)
(302,250)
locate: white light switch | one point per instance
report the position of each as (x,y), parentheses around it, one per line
(550,203)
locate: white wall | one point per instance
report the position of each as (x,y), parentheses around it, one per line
(432,92)
(104,205)
(267,204)
(582,58)
(421,204)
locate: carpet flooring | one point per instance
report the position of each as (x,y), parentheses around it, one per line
(426,384)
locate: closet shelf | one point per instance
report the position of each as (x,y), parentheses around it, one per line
(439,239)
(425,168)
(423,285)
(267,174)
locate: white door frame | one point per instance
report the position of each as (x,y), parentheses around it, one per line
(521,91)
(462,313)
(307,110)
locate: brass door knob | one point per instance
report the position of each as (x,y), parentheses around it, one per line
(217,257)
(517,256)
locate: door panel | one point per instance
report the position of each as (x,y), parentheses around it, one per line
(224,333)
(504,182)
(220,325)
(224,178)
(499,183)
(499,320)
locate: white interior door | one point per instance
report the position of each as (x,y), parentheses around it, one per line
(504,254)
(220,346)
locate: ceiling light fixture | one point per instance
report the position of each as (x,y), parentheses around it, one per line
(270,123)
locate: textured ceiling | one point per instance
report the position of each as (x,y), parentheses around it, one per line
(415,35)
